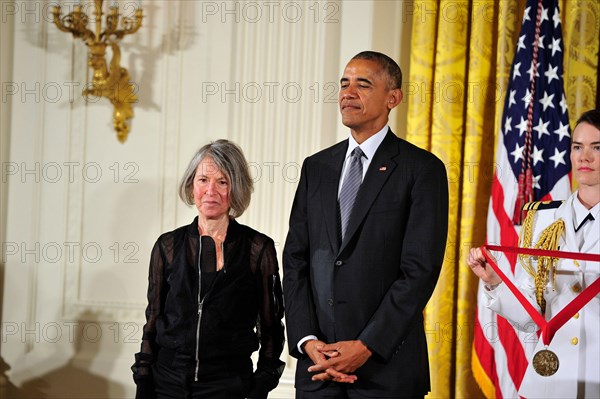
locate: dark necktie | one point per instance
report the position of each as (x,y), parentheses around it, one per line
(583,222)
(352,181)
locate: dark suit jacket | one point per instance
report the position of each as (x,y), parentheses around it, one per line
(374,285)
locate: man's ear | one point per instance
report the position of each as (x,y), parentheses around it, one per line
(395,98)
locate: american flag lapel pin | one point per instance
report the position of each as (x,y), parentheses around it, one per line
(382,168)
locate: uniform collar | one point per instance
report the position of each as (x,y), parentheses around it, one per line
(580,212)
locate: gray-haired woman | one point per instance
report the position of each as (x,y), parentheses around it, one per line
(214,294)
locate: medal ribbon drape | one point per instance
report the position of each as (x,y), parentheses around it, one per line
(548,328)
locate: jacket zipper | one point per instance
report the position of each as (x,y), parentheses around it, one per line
(198,340)
(201,303)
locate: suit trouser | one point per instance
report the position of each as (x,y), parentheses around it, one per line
(336,390)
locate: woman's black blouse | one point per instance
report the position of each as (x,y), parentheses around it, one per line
(242,308)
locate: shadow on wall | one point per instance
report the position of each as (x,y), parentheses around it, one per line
(73,380)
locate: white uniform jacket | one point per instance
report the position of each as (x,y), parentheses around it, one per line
(577,342)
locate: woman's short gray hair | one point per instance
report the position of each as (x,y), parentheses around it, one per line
(230,159)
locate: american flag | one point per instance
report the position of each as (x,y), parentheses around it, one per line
(532,163)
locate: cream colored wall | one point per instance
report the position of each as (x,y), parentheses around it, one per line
(80,211)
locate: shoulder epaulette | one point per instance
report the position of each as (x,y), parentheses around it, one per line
(541,205)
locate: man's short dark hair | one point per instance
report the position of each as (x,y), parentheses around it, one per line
(591,117)
(389,66)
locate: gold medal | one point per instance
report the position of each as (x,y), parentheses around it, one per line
(545,363)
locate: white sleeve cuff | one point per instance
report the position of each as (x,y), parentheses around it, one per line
(303,340)
(491,287)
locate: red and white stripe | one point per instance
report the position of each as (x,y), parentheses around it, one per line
(501,349)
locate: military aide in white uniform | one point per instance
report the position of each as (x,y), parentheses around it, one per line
(576,224)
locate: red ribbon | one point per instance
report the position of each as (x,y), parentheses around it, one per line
(548,328)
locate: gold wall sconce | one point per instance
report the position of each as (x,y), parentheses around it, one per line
(114,82)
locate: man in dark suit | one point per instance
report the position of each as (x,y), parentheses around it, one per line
(356,282)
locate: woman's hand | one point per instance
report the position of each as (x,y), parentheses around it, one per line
(477,263)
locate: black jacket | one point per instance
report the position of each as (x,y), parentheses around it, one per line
(246,294)
(373,284)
